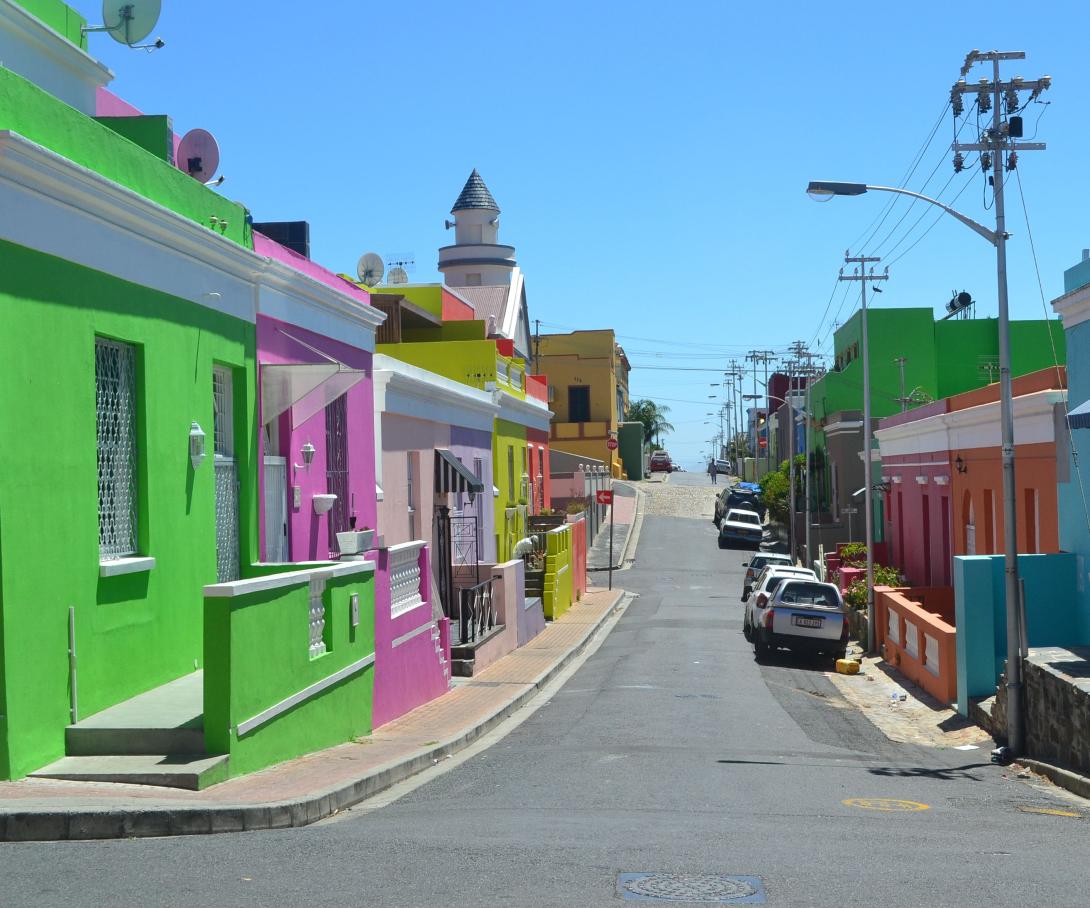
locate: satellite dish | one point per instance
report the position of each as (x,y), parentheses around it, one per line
(398,275)
(199,155)
(130,21)
(369,268)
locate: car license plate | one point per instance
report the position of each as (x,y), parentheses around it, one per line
(803,621)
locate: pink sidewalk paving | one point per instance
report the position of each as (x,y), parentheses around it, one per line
(306,789)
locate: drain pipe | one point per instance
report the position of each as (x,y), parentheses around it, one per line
(74,696)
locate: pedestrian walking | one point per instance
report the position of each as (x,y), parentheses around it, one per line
(712,472)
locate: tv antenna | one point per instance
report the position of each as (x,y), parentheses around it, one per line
(199,155)
(399,265)
(129,22)
(369,269)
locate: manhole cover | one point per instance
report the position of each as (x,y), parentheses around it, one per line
(691,887)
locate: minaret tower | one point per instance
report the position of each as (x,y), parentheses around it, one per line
(477,258)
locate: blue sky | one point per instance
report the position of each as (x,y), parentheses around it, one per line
(650,159)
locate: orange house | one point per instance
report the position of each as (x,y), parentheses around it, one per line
(943,469)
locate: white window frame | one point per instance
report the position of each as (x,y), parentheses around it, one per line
(410,488)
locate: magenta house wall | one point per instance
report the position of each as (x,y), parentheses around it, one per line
(412,649)
(470,444)
(279,343)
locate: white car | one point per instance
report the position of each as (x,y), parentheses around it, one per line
(799,614)
(758,563)
(765,585)
(741,527)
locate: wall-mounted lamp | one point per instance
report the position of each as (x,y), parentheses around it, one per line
(960,465)
(308,457)
(196,445)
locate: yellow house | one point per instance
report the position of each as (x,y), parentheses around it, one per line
(588,391)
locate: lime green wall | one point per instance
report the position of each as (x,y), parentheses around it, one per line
(460,330)
(38,116)
(59,17)
(134,631)
(256,650)
(429,297)
(507,435)
(557,589)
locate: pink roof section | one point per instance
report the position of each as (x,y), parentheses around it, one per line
(489,300)
(271,249)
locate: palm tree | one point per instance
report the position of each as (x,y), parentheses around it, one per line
(653,417)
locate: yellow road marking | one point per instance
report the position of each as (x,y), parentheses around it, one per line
(1051,811)
(889,805)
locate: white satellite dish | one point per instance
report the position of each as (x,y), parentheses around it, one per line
(130,21)
(398,275)
(199,155)
(369,268)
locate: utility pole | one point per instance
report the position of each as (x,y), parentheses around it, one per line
(900,361)
(796,370)
(999,154)
(860,274)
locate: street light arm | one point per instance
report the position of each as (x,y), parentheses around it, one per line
(989,235)
(824,189)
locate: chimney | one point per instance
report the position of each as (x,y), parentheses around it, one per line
(1085,254)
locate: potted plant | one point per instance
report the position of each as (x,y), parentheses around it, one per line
(353,541)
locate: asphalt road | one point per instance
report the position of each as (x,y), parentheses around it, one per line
(669,750)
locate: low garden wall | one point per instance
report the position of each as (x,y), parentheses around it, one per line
(917,640)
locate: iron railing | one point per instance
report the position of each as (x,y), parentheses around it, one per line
(476,612)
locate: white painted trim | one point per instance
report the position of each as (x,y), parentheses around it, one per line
(81,216)
(921,480)
(835,428)
(51,51)
(531,413)
(1073,307)
(942,480)
(973,427)
(307,693)
(405,638)
(409,390)
(134,565)
(286,579)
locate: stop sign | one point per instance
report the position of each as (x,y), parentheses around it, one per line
(612,444)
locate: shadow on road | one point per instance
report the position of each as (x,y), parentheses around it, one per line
(949,774)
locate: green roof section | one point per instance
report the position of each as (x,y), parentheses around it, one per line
(38,116)
(60,17)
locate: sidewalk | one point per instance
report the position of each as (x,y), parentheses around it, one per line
(313,787)
(625,500)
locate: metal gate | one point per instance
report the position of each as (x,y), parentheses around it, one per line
(276,509)
(336,476)
(227,549)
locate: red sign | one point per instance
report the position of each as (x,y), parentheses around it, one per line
(603,496)
(762,442)
(612,444)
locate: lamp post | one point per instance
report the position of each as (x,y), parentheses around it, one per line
(998,238)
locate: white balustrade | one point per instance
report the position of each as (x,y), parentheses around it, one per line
(317,616)
(912,640)
(931,654)
(405,579)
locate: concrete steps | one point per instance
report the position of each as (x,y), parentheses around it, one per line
(463,656)
(189,771)
(154,738)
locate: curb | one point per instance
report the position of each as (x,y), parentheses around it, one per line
(1064,778)
(632,531)
(128,822)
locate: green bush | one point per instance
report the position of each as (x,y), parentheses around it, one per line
(854,554)
(856,594)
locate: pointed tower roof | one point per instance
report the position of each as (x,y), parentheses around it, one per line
(475,195)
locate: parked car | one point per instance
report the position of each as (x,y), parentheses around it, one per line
(758,562)
(661,462)
(741,527)
(722,466)
(736,497)
(802,615)
(772,574)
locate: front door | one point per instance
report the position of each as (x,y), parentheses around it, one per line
(276,509)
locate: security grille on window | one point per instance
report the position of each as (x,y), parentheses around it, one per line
(223,443)
(336,441)
(115,400)
(411,492)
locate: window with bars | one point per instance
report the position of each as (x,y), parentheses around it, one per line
(336,471)
(115,403)
(223,433)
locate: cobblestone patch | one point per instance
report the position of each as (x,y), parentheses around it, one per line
(668,499)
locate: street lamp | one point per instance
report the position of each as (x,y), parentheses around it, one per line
(998,238)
